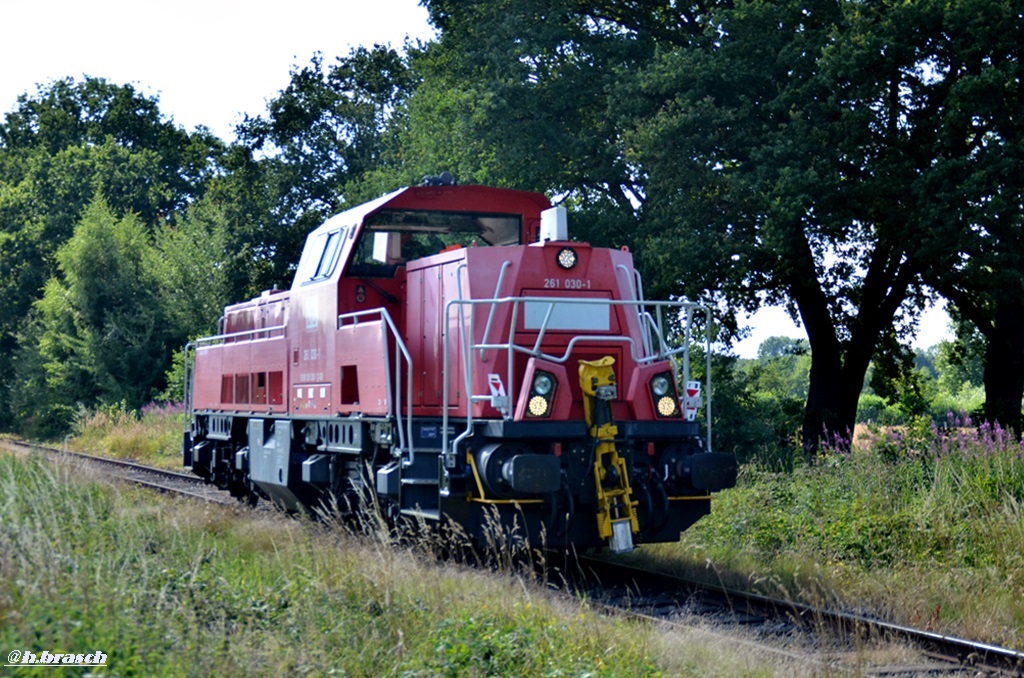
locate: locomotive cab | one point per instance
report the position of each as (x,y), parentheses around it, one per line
(451,351)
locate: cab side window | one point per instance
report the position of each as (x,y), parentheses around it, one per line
(323,256)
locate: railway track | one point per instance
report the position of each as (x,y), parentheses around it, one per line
(620,588)
(658,596)
(151,477)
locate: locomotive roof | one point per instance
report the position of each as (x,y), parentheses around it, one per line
(500,216)
(454,200)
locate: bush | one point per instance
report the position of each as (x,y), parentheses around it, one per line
(917,503)
(875,409)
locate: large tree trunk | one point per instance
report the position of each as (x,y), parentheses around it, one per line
(837,369)
(1004,365)
(835,382)
(823,410)
(1004,354)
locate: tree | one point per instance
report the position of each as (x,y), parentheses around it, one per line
(775,151)
(59,148)
(322,137)
(519,94)
(193,271)
(779,346)
(98,332)
(93,113)
(972,238)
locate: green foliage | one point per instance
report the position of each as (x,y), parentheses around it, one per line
(961,362)
(192,270)
(99,331)
(61,148)
(175,378)
(757,406)
(917,516)
(931,384)
(758,403)
(904,497)
(873,408)
(897,379)
(969,238)
(322,145)
(517,94)
(151,435)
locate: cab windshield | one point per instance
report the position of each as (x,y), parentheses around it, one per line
(394,237)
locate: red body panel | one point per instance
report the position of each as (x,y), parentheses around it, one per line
(247,368)
(529,271)
(310,366)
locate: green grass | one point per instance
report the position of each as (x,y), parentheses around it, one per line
(922,525)
(918,524)
(169,587)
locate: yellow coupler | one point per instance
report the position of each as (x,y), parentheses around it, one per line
(616,512)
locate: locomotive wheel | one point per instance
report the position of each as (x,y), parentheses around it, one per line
(241,488)
(250,498)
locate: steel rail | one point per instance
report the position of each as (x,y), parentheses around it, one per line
(215,496)
(941,646)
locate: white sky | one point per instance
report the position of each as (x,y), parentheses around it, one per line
(212,62)
(208,62)
(774,321)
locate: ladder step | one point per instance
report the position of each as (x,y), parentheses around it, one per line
(430,514)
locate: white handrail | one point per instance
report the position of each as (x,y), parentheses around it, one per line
(641,353)
(636,287)
(405,437)
(212,339)
(187,395)
(497,291)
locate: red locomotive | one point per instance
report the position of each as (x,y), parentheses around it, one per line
(450,352)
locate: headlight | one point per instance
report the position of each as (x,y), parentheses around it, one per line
(567,258)
(663,395)
(660,385)
(667,407)
(542,384)
(538,406)
(542,393)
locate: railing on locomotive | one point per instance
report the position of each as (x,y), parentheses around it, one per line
(394,398)
(211,340)
(645,355)
(648,324)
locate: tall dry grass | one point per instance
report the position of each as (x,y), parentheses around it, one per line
(151,435)
(167,587)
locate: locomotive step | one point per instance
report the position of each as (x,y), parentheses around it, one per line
(420,481)
(434,514)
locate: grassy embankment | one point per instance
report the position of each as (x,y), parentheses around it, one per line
(164,586)
(921,525)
